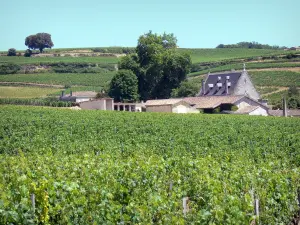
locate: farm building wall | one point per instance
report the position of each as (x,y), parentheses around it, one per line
(259,112)
(245,86)
(109,104)
(83,99)
(100,104)
(180,109)
(159,108)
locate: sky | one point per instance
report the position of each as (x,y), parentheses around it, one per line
(195,23)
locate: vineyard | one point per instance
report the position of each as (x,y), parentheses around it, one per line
(100,167)
(218,54)
(85,79)
(40,60)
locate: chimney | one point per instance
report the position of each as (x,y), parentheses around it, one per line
(284,107)
(203,87)
(226,86)
(62,93)
(71,93)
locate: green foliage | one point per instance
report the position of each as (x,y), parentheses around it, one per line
(124,86)
(234,108)
(217,110)
(157,65)
(115,50)
(204,68)
(93,167)
(86,79)
(250,45)
(186,89)
(224,54)
(293,100)
(53,60)
(12,52)
(39,41)
(53,102)
(9,68)
(81,67)
(293,91)
(28,53)
(275,78)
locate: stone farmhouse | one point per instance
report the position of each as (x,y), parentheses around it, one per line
(229,84)
(229,92)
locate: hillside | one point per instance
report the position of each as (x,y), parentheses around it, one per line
(272,71)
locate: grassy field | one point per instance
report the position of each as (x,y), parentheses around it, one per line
(219,54)
(39,60)
(86,79)
(101,167)
(26,92)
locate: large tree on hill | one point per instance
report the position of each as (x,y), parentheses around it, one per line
(39,41)
(157,65)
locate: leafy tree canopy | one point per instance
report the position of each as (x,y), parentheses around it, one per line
(157,65)
(255,45)
(186,89)
(39,41)
(124,86)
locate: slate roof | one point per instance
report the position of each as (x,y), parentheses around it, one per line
(211,102)
(171,101)
(246,109)
(214,79)
(290,112)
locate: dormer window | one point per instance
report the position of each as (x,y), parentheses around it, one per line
(219,84)
(210,85)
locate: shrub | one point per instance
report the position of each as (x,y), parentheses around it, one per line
(28,53)
(9,68)
(234,108)
(12,52)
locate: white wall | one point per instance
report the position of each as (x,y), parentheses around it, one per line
(259,112)
(180,109)
(83,99)
(242,104)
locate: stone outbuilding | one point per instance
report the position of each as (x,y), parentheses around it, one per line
(170,105)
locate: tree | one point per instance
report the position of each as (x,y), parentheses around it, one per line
(124,86)
(27,53)
(157,65)
(186,89)
(39,41)
(12,52)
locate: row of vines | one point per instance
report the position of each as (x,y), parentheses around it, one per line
(60,166)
